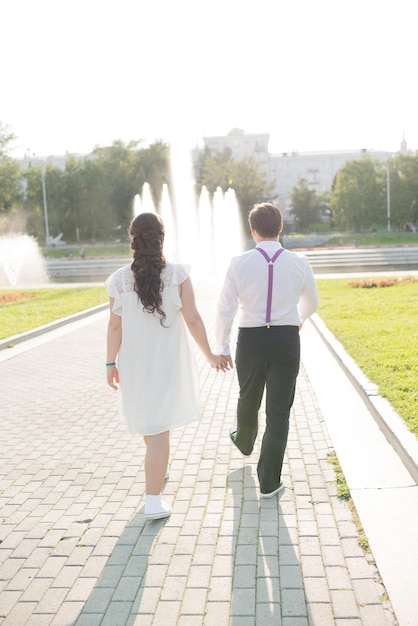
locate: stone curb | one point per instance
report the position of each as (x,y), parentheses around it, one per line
(391,423)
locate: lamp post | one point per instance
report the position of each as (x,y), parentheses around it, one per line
(45,205)
(388,193)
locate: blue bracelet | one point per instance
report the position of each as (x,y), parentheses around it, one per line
(110,364)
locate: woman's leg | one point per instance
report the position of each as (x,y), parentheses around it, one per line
(156,461)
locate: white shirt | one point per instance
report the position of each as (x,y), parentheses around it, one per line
(294,297)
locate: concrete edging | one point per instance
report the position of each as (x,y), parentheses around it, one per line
(390,423)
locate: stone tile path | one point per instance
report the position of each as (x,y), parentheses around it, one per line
(76,551)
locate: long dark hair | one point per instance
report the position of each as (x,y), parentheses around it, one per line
(147,232)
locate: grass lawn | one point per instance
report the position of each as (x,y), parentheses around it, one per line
(374,239)
(99,250)
(378,328)
(23,310)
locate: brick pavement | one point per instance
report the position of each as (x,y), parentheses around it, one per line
(75,549)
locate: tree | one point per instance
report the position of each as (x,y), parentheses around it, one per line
(152,166)
(403,172)
(34,201)
(123,170)
(6,138)
(97,220)
(54,191)
(215,174)
(10,174)
(305,205)
(358,196)
(250,184)
(116,168)
(93,198)
(10,184)
(244,176)
(73,200)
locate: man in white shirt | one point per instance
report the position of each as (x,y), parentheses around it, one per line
(275,292)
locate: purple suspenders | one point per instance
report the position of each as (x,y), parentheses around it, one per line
(270,261)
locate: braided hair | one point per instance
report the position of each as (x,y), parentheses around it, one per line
(147,233)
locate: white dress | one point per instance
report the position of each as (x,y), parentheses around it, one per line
(159,383)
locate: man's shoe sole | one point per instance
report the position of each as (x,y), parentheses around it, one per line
(277,492)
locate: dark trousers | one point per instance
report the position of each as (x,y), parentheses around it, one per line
(266,358)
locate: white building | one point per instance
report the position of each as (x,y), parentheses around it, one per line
(285,169)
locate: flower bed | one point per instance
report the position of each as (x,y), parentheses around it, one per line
(15,296)
(382,282)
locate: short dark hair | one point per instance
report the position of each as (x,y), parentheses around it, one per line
(266,219)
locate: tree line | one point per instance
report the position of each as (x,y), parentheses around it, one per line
(364,191)
(92,198)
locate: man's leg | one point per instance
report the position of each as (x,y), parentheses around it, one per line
(280,392)
(251,369)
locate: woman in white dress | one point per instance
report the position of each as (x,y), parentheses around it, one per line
(151,303)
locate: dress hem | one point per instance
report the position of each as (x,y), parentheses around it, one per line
(158,432)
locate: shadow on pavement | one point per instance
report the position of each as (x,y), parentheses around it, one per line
(119,593)
(267,583)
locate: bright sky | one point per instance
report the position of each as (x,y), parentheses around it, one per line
(314,75)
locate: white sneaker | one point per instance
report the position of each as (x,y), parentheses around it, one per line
(156,507)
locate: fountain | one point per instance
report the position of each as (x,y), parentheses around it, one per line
(146,198)
(205,233)
(166,212)
(21,262)
(137,207)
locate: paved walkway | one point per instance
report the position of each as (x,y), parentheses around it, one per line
(75,549)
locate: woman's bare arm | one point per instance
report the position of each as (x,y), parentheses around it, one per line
(114,338)
(196,326)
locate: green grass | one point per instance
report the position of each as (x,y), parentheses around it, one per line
(47,306)
(343,493)
(374,239)
(378,328)
(99,250)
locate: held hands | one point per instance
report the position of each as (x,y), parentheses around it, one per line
(112,376)
(220,362)
(228,361)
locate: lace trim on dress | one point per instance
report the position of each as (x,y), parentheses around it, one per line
(167,275)
(124,279)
